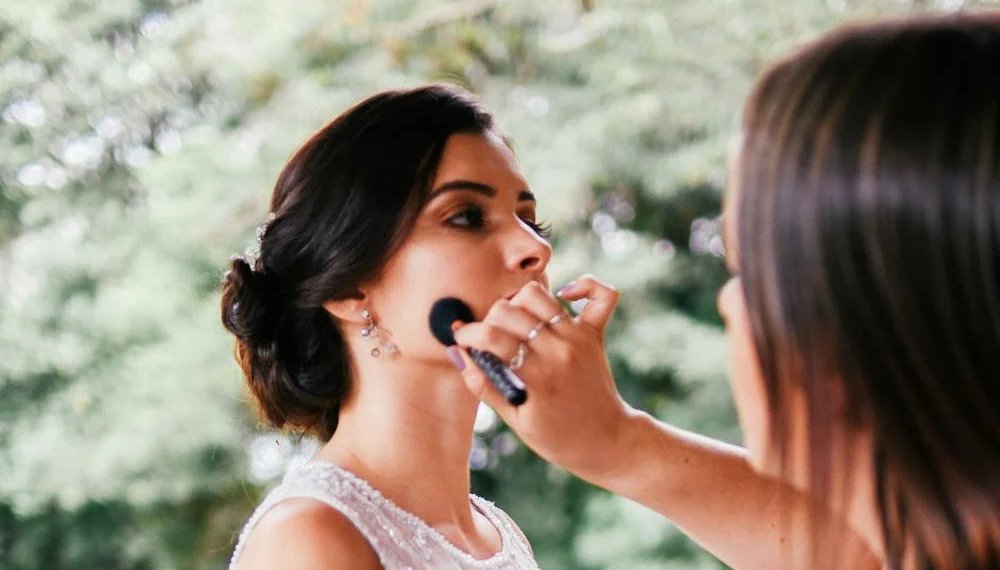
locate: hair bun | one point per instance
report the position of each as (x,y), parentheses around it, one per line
(247,312)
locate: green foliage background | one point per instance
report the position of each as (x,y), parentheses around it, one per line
(138,143)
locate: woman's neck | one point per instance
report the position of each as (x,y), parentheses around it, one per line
(407,429)
(857,501)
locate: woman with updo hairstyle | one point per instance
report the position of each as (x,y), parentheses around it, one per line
(407,197)
(862,230)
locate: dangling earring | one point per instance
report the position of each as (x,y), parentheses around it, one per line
(382,337)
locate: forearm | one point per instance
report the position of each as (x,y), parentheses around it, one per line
(708,489)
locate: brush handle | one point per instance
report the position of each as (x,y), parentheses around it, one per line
(506,381)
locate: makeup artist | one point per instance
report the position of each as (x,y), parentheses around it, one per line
(862,229)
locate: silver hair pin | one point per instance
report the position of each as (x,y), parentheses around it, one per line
(252,253)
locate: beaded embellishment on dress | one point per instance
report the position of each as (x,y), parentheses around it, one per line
(399,538)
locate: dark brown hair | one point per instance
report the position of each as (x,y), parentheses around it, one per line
(342,205)
(868,221)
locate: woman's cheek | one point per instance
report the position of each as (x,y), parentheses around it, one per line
(425,272)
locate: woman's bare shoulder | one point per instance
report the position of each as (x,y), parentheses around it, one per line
(301,534)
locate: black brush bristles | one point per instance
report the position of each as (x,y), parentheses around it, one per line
(443,314)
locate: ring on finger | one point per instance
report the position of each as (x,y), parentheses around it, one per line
(533,333)
(555,319)
(518,360)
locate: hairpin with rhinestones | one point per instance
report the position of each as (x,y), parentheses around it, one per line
(252,253)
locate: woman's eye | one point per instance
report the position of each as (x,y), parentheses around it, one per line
(469,217)
(543,229)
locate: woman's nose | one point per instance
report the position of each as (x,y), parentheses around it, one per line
(528,252)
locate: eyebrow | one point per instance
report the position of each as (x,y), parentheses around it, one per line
(479,188)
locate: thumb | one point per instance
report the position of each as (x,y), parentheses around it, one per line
(477,383)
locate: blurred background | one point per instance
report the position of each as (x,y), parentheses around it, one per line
(139,140)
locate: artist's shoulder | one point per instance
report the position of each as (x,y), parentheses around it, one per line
(300,534)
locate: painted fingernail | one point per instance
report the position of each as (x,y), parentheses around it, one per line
(455,354)
(562,290)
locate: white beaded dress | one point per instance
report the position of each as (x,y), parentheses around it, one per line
(400,539)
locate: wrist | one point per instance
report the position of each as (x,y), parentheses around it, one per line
(615,454)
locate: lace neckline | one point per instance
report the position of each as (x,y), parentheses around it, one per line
(416,523)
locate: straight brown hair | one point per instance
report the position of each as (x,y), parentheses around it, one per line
(868,222)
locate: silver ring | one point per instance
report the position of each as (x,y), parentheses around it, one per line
(533,333)
(555,320)
(518,360)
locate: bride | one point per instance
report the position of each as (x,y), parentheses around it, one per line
(405,198)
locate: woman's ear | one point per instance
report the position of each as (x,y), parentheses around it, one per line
(348,309)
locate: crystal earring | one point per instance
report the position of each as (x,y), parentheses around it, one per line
(382,337)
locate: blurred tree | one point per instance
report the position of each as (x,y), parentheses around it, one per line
(138,143)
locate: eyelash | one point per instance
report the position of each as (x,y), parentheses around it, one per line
(542,229)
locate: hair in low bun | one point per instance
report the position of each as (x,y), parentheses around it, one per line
(341,206)
(281,373)
(244,302)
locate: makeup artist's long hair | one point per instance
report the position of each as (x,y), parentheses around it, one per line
(342,206)
(868,220)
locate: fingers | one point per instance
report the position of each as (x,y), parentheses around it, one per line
(513,319)
(537,300)
(478,384)
(536,328)
(601,300)
(533,315)
(491,337)
(526,317)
